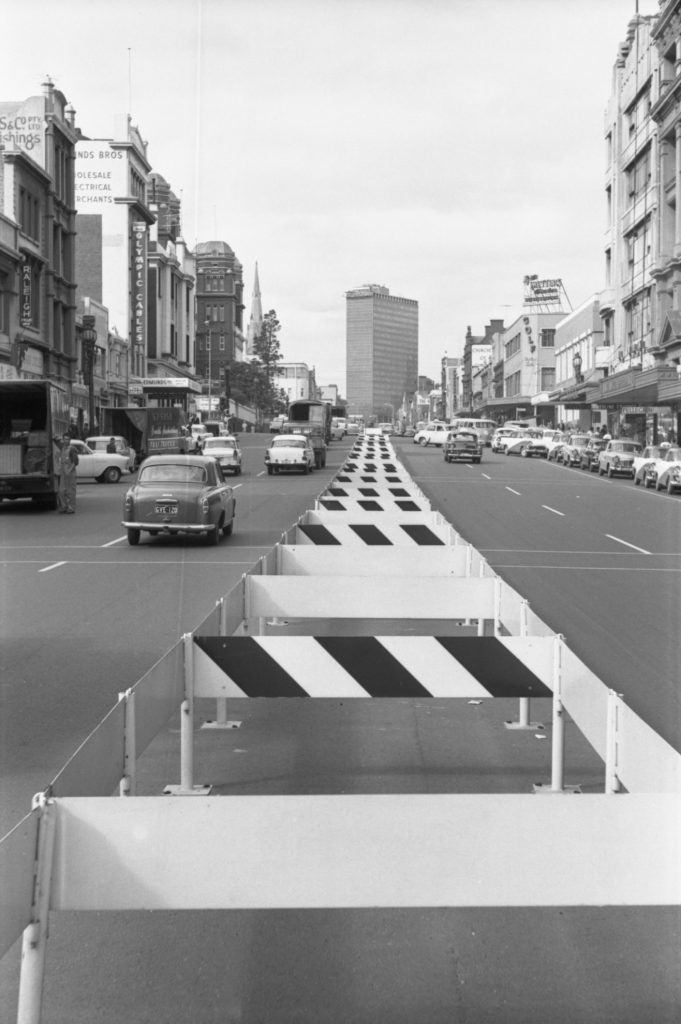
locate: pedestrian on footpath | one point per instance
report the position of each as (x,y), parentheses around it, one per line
(67,476)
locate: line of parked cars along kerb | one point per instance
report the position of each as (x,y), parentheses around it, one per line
(653,466)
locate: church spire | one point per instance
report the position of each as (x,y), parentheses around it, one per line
(255,323)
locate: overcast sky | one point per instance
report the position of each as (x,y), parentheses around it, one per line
(443,148)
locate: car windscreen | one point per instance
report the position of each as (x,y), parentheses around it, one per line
(289,442)
(172,473)
(217,442)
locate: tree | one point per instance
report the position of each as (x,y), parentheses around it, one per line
(266,345)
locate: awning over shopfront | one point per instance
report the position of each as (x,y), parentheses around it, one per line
(580,394)
(636,387)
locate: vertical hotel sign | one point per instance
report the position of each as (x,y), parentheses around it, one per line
(139,282)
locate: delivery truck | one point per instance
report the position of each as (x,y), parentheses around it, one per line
(34,414)
(150,431)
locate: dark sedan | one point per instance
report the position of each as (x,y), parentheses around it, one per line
(179,494)
(589,456)
(462,446)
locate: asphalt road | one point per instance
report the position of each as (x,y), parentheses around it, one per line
(83,616)
(598,560)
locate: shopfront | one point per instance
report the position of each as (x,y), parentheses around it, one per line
(165,392)
(642,404)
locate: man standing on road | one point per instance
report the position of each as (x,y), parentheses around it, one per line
(67,476)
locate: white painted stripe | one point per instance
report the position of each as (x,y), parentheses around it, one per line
(49,567)
(512,491)
(234,486)
(554,510)
(311,666)
(433,666)
(486,476)
(112,542)
(627,544)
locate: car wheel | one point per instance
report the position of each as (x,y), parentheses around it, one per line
(213,535)
(636,481)
(609,472)
(111,475)
(134,537)
(270,470)
(423,442)
(227,530)
(670,488)
(657,486)
(524,452)
(600,471)
(647,482)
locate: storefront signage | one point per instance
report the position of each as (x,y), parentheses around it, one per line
(139,278)
(620,382)
(26,294)
(169,383)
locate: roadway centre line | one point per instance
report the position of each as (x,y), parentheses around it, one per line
(554,510)
(486,476)
(112,542)
(627,544)
(55,566)
(513,492)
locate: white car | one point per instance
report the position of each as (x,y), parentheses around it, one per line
(290,452)
(104,467)
(226,451)
(499,436)
(667,472)
(434,433)
(646,462)
(100,444)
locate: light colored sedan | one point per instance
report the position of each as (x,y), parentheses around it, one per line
(104,467)
(179,494)
(617,458)
(290,452)
(669,471)
(101,444)
(226,451)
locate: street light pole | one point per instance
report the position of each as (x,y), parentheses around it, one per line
(210,368)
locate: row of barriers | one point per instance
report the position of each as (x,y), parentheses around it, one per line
(289,629)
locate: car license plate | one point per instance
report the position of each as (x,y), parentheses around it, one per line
(166,510)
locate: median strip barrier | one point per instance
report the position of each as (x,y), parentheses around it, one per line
(481,851)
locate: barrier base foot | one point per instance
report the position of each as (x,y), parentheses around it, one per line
(545,788)
(182,791)
(221,725)
(523,725)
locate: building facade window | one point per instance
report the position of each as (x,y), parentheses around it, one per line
(547,337)
(512,346)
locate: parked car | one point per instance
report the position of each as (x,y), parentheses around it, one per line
(571,452)
(650,455)
(408,432)
(555,445)
(290,452)
(104,467)
(386,428)
(179,494)
(462,446)
(669,471)
(588,458)
(226,451)
(617,458)
(512,440)
(433,433)
(101,444)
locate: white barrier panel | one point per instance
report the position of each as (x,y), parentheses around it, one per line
(407,850)
(329,560)
(98,765)
(373,666)
(348,597)
(17,873)
(158,695)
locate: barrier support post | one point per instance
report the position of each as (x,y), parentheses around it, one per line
(187,787)
(128,783)
(524,721)
(34,940)
(612,782)
(558,733)
(221,720)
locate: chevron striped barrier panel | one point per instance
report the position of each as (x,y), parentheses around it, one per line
(320,530)
(384,502)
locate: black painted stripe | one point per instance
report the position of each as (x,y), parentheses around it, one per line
(399,492)
(368,479)
(252,669)
(372,666)
(318,534)
(369,505)
(338,492)
(368,492)
(371,535)
(408,506)
(393,480)
(494,666)
(421,534)
(343,479)
(332,506)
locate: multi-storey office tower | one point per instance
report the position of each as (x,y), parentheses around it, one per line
(382,339)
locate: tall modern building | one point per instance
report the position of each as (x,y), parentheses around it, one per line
(382,347)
